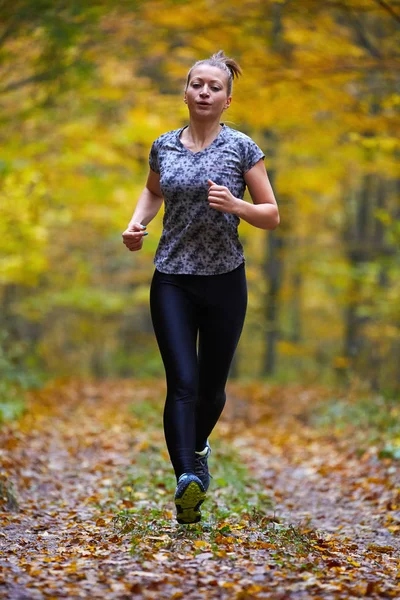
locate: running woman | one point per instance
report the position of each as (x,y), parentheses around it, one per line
(198,294)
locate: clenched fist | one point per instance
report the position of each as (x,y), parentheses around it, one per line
(220,198)
(133,236)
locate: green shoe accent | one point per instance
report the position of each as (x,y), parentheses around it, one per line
(189,496)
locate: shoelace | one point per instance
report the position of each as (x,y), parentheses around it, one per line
(201,466)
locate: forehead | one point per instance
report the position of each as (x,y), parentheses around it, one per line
(209,73)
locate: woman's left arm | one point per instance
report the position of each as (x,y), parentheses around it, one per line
(263,213)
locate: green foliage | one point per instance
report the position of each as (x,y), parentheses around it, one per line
(15,378)
(12,382)
(13,406)
(370,419)
(8,498)
(237,492)
(238,510)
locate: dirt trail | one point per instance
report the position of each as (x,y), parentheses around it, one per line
(62,458)
(315,478)
(67,459)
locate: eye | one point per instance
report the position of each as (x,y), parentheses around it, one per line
(195,85)
(215,89)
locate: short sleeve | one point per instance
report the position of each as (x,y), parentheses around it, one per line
(251,154)
(153,158)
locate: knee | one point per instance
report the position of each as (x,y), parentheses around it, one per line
(184,389)
(210,397)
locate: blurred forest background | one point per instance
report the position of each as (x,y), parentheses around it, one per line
(86,86)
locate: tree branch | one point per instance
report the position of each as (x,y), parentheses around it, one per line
(14,85)
(388,9)
(305,72)
(8,31)
(361,34)
(47,75)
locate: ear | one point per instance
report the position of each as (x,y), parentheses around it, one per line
(228,102)
(185,98)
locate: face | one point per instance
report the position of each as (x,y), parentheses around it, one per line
(207,92)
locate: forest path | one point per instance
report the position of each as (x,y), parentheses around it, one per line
(95,515)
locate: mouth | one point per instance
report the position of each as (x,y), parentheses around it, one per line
(204,103)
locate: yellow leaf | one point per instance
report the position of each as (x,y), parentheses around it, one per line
(201,544)
(352,562)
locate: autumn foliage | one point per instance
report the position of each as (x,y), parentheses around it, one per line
(304,501)
(85,88)
(294,510)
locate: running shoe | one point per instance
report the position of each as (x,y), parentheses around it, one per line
(189,495)
(201,467)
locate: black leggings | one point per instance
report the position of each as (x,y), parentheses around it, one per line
(183,308)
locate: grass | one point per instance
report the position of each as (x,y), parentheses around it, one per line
(16,376)
(237,516)
(8,498)
(369,420)
(11,410)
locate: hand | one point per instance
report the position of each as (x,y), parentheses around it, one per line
(220,198)
(133,236)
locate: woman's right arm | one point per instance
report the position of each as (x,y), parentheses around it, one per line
(149,203)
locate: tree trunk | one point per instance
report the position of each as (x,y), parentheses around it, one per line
(273,267)
(273,263)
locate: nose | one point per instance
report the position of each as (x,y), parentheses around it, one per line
(204,91)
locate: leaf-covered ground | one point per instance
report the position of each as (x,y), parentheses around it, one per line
(300,506)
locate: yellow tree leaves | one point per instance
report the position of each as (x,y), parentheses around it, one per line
(87,89)
(25,222)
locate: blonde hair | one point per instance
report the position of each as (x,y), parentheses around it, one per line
(226,64)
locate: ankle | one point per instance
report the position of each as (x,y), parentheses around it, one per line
(202,452)
(184,475)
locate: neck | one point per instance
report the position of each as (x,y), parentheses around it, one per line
(201,132)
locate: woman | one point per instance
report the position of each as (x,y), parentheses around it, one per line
(198,291)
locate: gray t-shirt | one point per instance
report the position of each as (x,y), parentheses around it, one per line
(197,239)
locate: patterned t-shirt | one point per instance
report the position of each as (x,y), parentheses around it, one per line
(197,239)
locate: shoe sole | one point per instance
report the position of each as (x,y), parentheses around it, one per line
(188,504)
